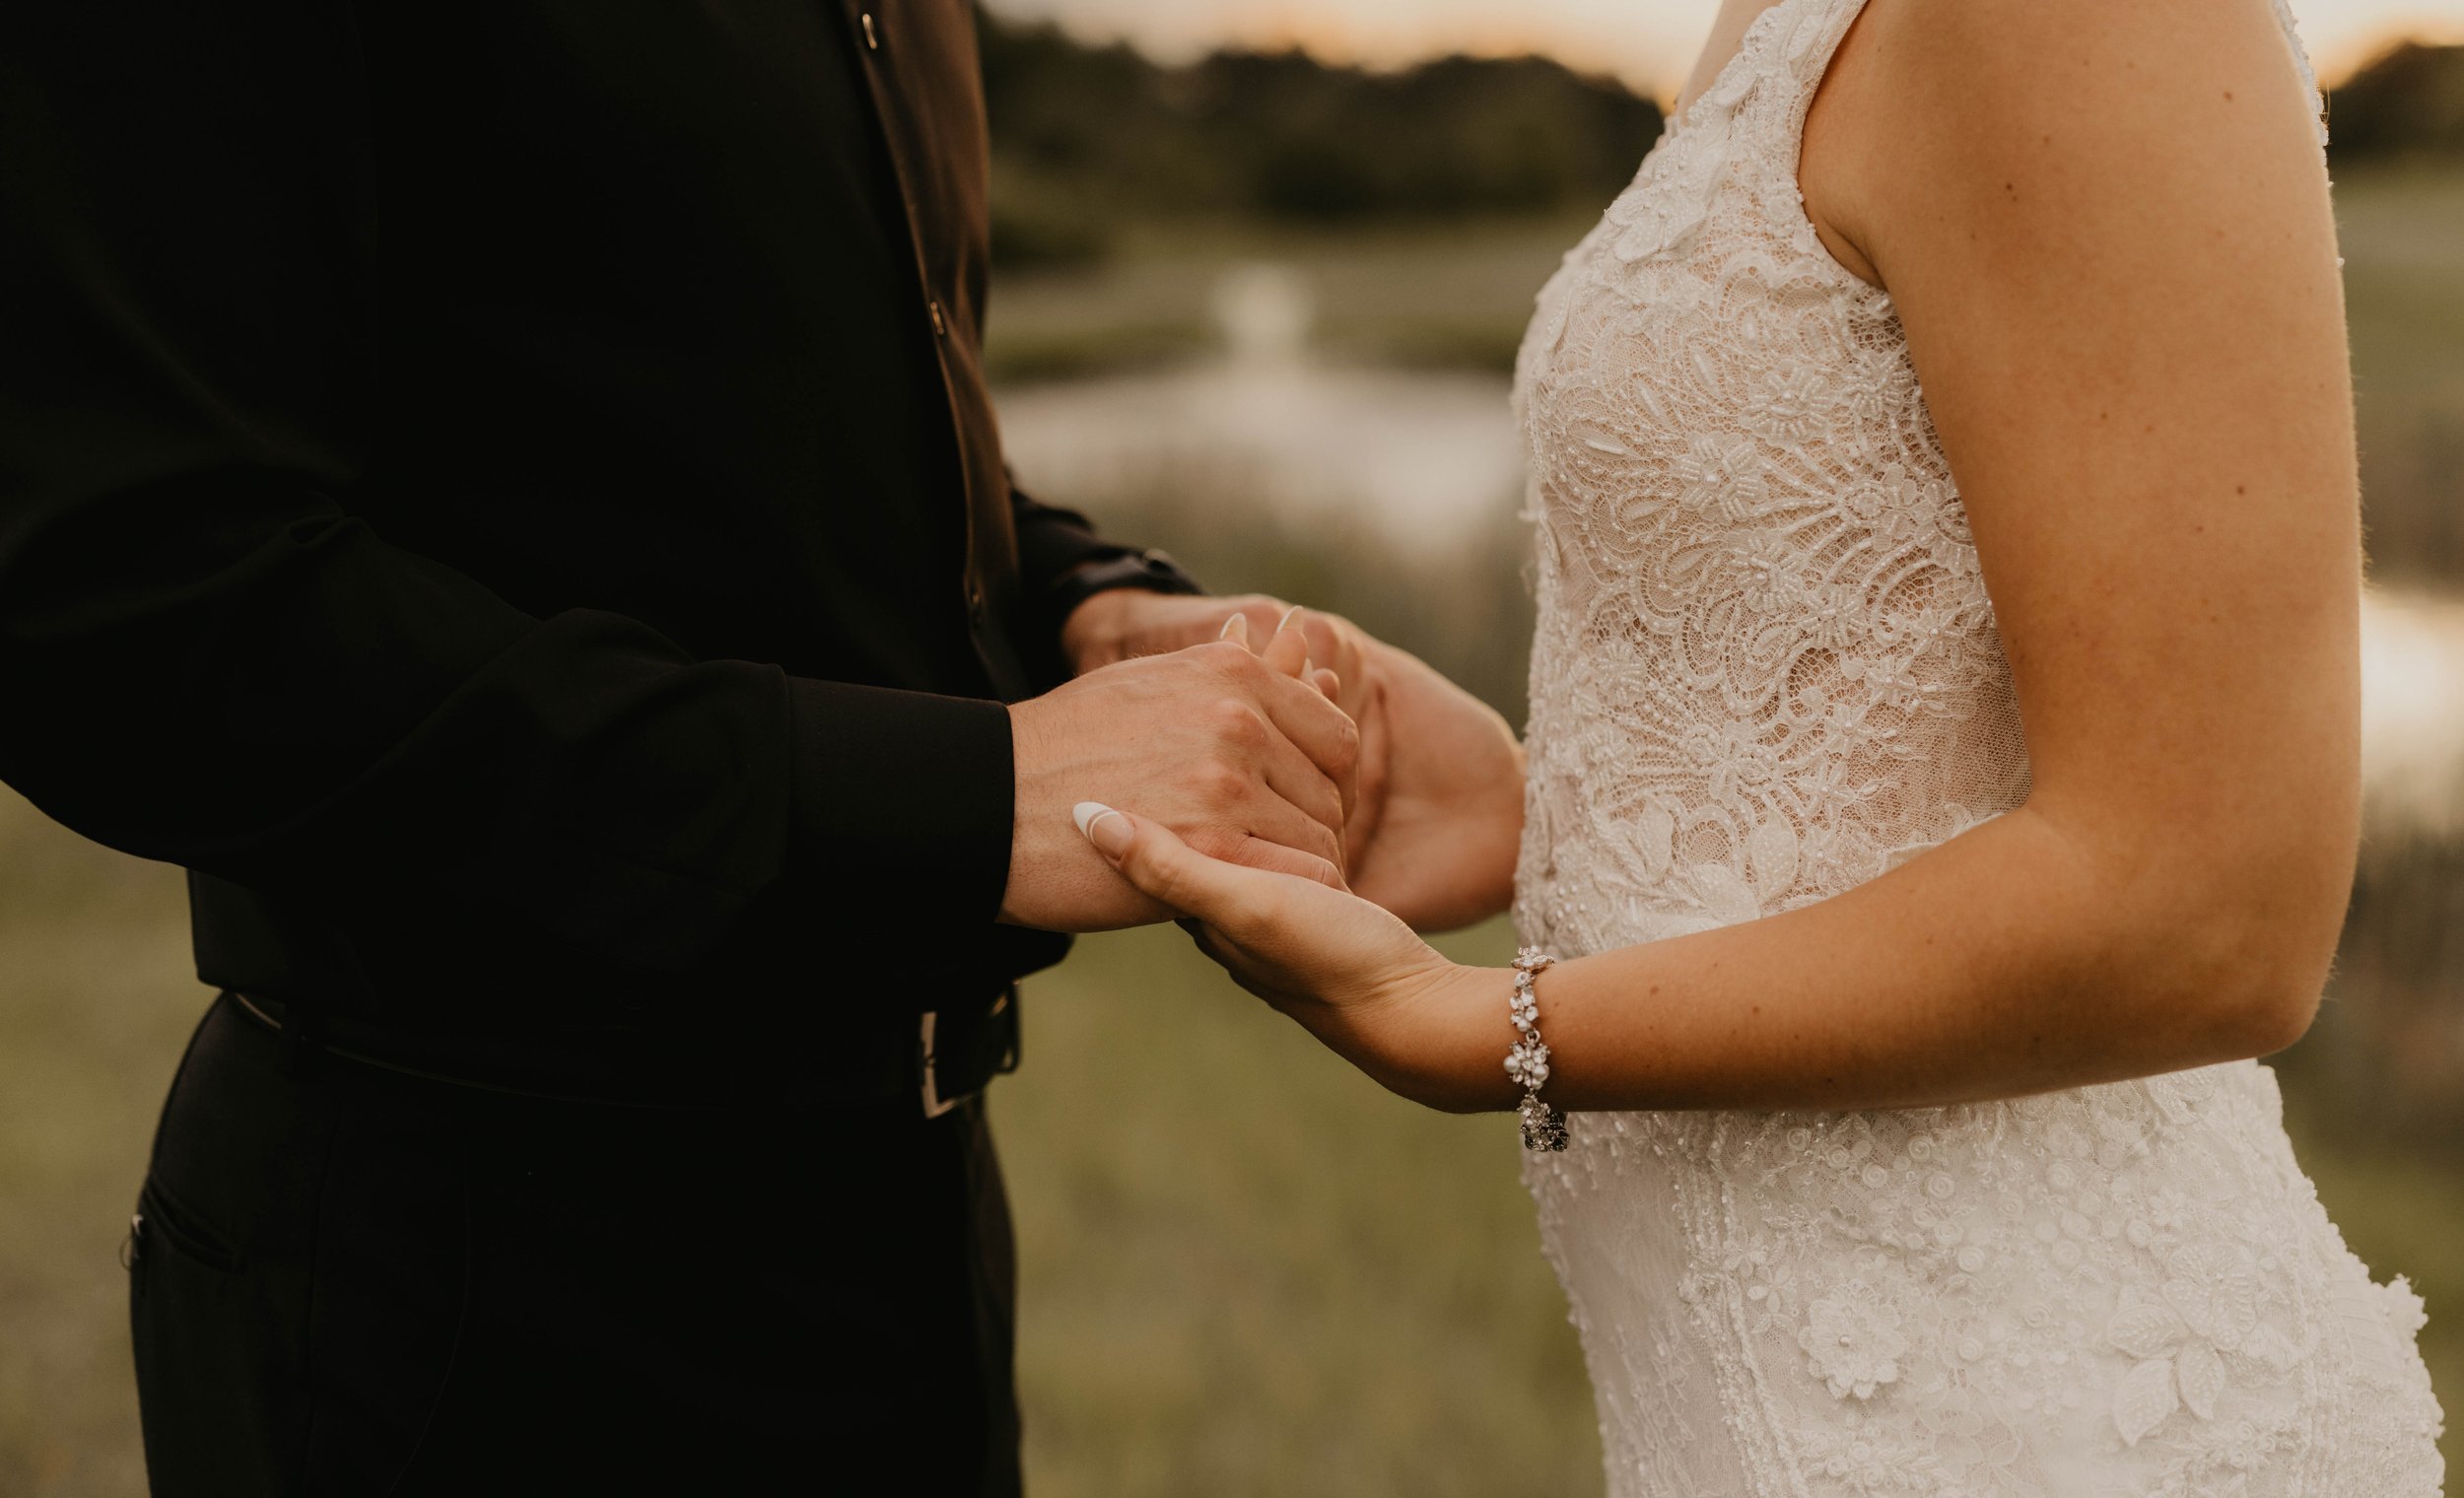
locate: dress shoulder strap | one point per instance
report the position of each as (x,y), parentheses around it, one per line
(2301,60)
(1812,39)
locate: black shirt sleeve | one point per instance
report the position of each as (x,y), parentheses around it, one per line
(207,657)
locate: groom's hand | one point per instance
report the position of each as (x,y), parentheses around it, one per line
(1126,624)
(1241,760)
(1438,818)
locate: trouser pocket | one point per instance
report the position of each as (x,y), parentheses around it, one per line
(297,1271)
(221,1397)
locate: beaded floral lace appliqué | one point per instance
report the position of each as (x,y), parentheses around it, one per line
(1765,670)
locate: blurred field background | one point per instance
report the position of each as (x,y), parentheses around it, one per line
(1260,311)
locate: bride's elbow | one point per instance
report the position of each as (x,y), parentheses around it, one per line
(2219,992)
(2274,1011)
(2250,961)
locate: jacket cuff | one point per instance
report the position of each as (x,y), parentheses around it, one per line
(901,803)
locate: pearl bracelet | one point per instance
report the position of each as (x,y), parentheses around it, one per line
(1543,1126)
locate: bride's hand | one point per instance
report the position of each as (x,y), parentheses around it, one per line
(1354,975)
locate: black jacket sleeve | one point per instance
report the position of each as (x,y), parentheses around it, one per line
(1052,543)
(206,657)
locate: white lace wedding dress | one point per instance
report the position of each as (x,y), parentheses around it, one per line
(1765,669)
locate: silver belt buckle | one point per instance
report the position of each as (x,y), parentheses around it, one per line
(935,1105)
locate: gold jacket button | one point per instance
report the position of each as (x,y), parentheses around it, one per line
(873,38)
(940,324)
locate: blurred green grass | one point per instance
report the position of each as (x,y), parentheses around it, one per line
(1245,1269)
(96,998)
(1248,1269)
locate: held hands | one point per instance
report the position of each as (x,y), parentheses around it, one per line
(1430,837)
(1437,816)
(1233,750)
(1126,624)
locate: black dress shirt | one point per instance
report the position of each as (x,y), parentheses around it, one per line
(505,494)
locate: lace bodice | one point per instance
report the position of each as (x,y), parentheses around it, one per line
(1765,660)
(1766,667)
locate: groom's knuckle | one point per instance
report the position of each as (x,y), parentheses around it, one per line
(1237,724)
(1220,782)
(1221,714)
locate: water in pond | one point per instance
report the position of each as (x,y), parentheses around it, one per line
(1423,455)
(1426,458)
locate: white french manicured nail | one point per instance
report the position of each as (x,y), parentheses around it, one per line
(1236,627)
(1287,617)
(1085,813)
(1111,842)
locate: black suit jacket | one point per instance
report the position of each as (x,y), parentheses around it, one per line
(503,490)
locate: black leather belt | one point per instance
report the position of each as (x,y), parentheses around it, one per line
(932,1062)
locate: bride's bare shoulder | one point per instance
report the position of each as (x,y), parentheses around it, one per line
(1945,111)
(2014,53)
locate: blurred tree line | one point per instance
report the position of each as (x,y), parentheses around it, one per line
(2402,119)
(2410,102)
(1087,138)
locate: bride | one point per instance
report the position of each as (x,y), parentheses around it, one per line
(1942,778)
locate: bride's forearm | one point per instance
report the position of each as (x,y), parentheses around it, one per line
(2005,962)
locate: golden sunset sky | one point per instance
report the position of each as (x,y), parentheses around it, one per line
(1649,43)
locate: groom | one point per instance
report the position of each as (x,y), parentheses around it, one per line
(505,495)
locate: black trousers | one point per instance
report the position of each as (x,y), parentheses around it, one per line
(347,1281)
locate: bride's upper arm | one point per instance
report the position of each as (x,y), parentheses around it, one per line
(2104,226)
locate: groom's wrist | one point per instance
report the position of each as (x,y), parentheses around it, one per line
(1091,599)
(1093,632)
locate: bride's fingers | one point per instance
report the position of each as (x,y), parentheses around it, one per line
(1211,944)
(1288,650)
(1274,857)
(1226,896)
(1338,646)
(1300,641)
(1299,662)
